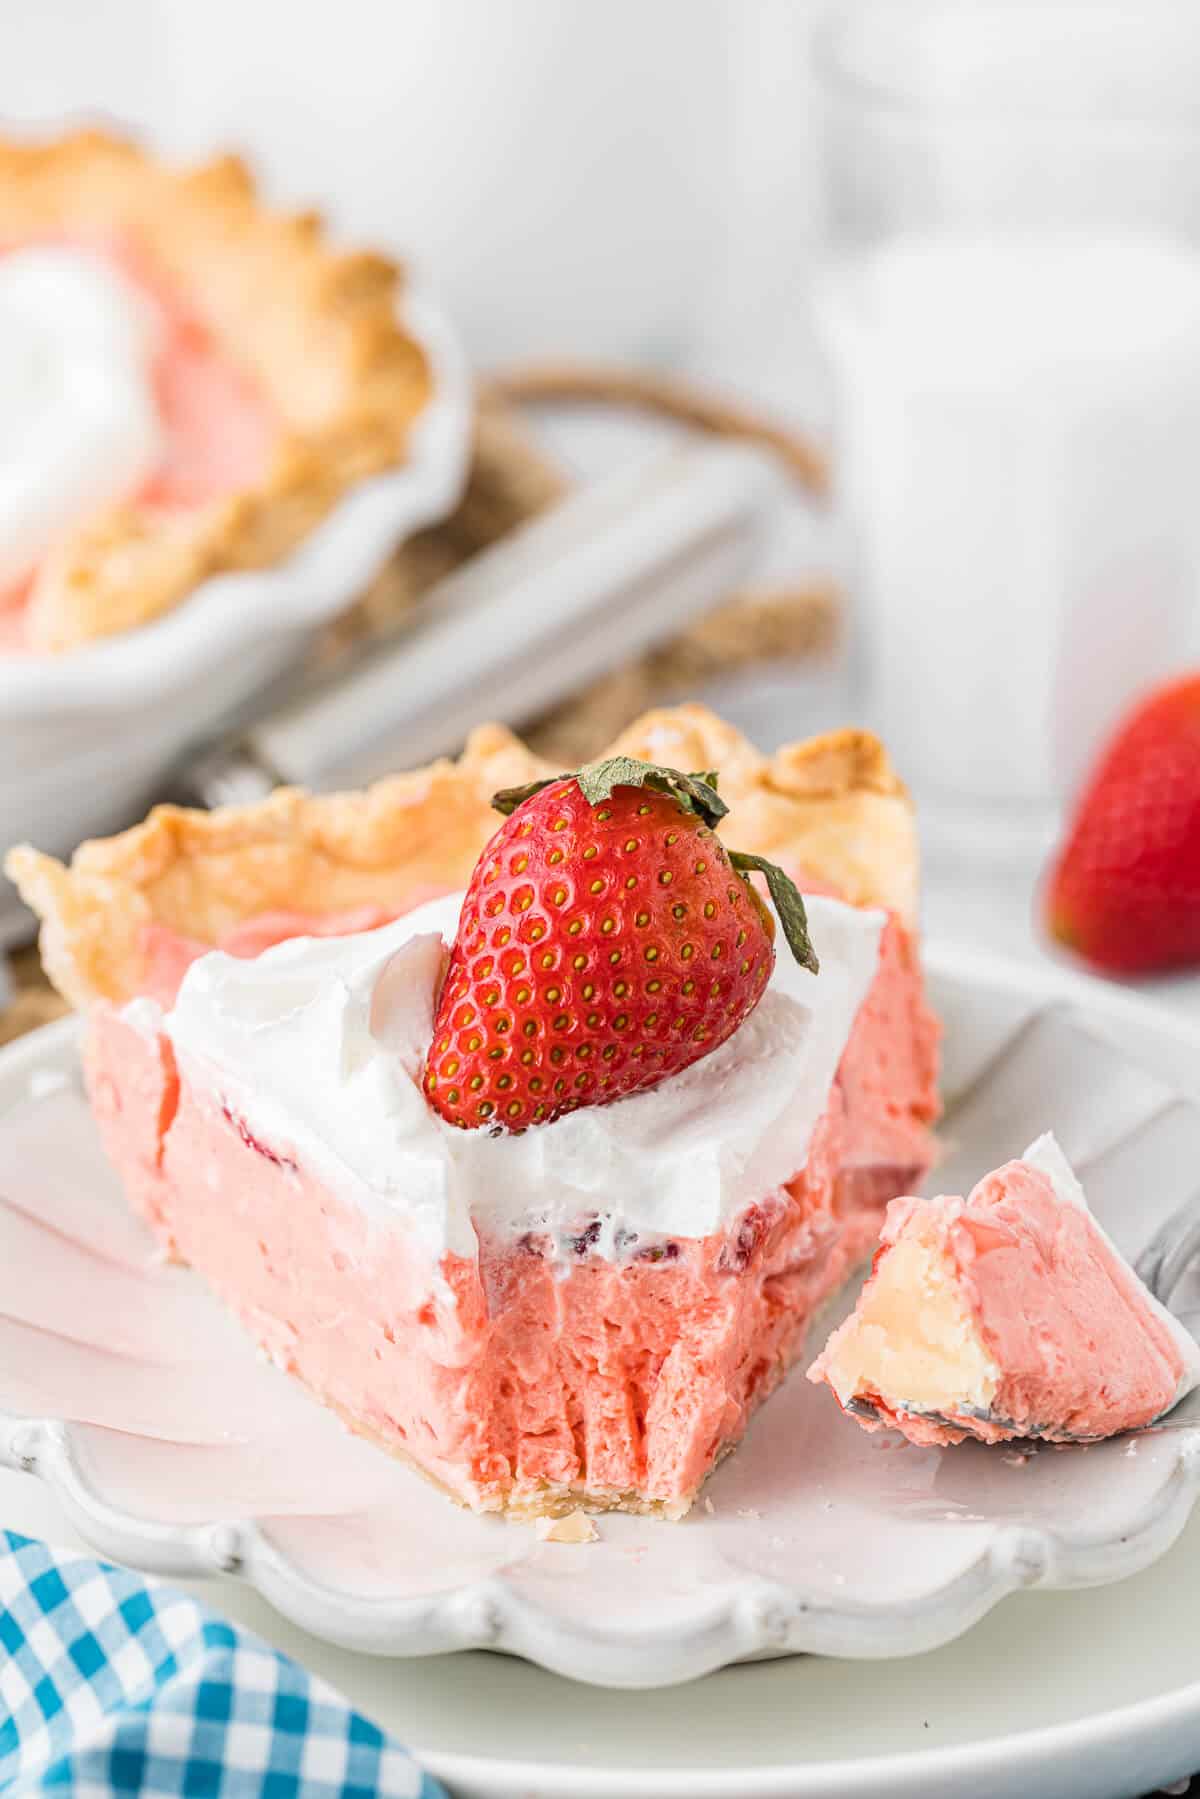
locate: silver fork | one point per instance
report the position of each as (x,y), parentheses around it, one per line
(1171,1250)
(1162,1265)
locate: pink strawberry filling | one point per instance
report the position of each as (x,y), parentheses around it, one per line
(218,425)
(501,1377)
(167,955)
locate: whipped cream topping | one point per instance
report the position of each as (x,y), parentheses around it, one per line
(319,1044)
(79,427)
(1046,1155)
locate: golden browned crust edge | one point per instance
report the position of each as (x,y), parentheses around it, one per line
(550,1499)
(830,808)
(316,327)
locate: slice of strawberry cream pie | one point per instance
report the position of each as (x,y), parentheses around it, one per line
(1007,1314)
(540,1185)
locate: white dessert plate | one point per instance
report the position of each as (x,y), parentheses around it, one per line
(171,1447)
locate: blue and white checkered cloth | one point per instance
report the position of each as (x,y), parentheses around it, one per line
(110,1683)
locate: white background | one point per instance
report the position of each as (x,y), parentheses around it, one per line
(626,179)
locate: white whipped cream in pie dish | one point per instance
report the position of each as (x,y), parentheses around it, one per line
(319,1045)
(79,426)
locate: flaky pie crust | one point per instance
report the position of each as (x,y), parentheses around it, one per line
(315,327)
(830,808)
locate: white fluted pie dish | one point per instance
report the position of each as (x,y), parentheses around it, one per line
(86,738)
(125,1387)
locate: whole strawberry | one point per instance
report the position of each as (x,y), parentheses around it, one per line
(607,940)
(1125,890)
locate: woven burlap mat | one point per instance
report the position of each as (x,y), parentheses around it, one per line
(511,480)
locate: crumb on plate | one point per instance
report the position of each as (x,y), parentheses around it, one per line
(576,1527)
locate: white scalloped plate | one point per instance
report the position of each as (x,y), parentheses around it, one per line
(172,1448)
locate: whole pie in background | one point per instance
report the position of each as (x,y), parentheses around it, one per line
(190,383)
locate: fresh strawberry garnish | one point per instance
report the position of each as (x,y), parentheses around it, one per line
(607,940)
(1125,890)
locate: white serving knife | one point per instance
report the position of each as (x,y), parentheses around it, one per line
(620,564)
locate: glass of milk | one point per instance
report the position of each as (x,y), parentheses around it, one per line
(1010,302)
